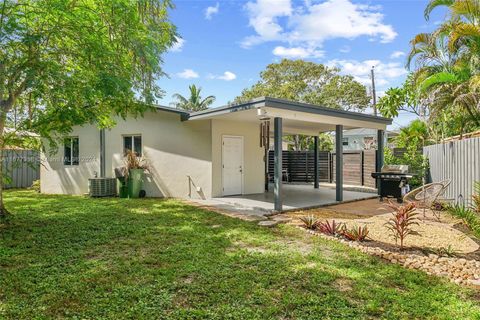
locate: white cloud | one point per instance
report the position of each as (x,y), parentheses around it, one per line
(263,18)
(178,46)
(397,54)
(226,76)
(297,52)
(210,11)
(361,70)
(345,49)
(309,25)
(187,74)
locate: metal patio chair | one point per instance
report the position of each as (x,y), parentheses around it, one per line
(425,196)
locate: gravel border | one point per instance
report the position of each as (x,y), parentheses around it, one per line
(457,270)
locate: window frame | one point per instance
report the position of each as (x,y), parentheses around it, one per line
(71,162)
(132,141)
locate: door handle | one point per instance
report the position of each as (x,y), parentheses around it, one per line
(241,169)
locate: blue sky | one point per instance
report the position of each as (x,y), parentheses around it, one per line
(225,44)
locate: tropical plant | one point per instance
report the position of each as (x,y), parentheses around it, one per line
(356,233)
(309,222)
(330,228)
(36,185)
(469,217)
(447,251)
(194,102)
(68,63)
(133,161)
(412,139)
(476,198)
(445,78)
(402,220)
(403,98)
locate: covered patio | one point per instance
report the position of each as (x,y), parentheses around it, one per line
(294,197)
(277,117)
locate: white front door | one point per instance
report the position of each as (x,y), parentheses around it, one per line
(232,165)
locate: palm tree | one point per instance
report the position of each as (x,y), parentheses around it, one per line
(447,60)
(194,102)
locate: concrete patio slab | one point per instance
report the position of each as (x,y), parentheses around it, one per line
(295,197)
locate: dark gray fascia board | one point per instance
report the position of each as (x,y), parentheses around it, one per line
(170,109)
(315,109)
(288,105)
(255,103)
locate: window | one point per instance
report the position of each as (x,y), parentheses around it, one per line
(345,141)
(133,143)
(71,151)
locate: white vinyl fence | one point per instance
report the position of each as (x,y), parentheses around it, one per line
(22,167)
(458,161)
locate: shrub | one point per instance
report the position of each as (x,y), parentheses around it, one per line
(469,217)
(476,198)
(331,229)
(355,233)
(309,222)
(446,251)
(402,220)
(36,185)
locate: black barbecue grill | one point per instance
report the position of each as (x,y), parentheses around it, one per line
(393,181)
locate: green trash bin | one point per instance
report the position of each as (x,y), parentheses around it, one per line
(135,182)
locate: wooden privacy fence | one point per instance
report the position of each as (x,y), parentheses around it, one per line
(357,167)
(22,167)
(457,161)
(299,165)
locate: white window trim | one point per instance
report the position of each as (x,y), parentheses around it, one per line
(131,136)
(71,152)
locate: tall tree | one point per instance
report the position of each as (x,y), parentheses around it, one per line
(308,82)
(445,77)
(447,60)
(77,62)
(194,102)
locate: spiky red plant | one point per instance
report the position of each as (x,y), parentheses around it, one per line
(331,229)
(356,233)
(402,220)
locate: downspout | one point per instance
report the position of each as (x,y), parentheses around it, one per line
(102,153)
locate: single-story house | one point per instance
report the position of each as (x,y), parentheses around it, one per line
(198,155)
(363,139)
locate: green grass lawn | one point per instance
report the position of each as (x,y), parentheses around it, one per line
(75,257)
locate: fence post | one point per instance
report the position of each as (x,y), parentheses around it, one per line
(315,160)
(362,168)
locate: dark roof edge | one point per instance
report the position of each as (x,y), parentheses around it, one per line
(170,109)
(232,107)
(289,105)
(311,108)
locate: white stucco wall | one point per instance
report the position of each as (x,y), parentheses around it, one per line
(179,155)
(253,169)
(57,178)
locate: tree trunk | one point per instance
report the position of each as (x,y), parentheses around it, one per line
(5,107)
(3,211)
(296,139)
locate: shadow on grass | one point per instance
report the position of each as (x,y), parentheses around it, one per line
(65,256)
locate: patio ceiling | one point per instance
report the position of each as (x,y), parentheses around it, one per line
(298,118)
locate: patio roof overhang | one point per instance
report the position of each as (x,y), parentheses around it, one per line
(298,118)
(291,117)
